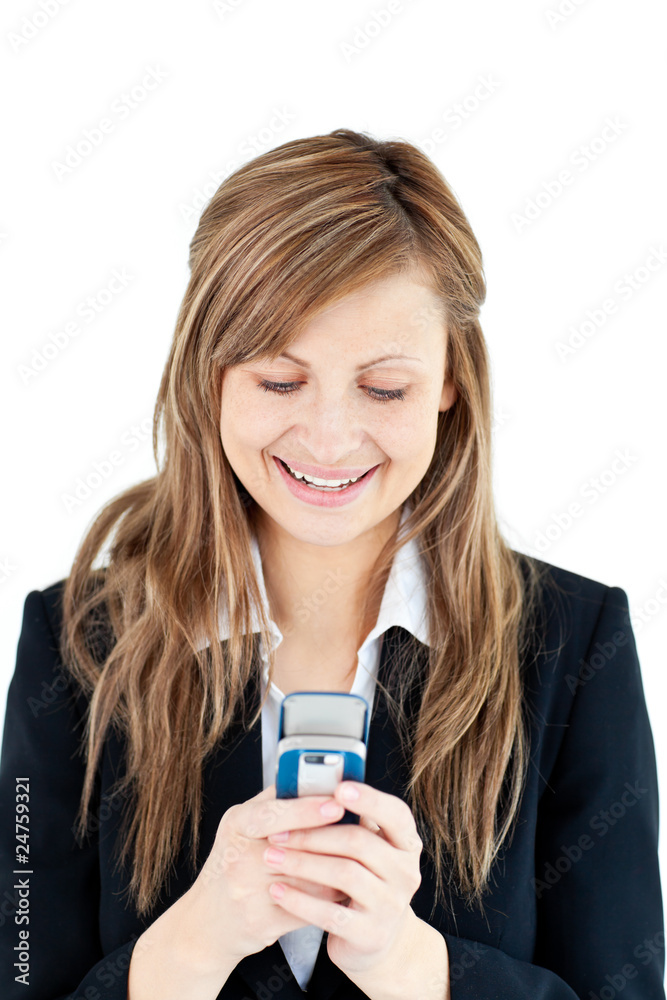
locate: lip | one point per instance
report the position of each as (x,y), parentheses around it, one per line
(320,473)
(323,498)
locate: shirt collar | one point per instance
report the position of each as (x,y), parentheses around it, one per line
(404,601)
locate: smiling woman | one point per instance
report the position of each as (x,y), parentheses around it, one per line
(323,519)
(339,417)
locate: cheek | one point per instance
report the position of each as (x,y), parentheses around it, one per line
(408,435)
(244,421)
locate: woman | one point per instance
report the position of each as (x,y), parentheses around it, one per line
(507,834)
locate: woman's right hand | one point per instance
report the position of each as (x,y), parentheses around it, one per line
(228,913)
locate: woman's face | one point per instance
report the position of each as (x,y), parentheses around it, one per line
(347,413)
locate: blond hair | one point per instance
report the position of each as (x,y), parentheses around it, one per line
(283,237)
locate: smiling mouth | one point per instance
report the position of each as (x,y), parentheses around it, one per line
(331,489)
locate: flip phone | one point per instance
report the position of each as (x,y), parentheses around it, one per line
(322,740)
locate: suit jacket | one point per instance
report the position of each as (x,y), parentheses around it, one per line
(575,906)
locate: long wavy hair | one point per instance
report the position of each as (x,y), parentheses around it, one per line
(283,237)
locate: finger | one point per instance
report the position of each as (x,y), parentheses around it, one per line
(370,824)
(346,840)
(271,815)
(314,888)
(365,823)
(344,874)
(331,917)
(391,814)
(267,793)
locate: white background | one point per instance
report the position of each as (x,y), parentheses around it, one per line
(503,96)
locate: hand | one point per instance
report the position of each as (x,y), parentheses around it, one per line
(374,863)
(229,907)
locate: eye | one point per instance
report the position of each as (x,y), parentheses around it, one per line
(285,388)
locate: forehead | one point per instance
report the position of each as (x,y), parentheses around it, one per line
(401,309)
(397,295)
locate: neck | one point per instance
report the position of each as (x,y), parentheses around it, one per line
(316,592)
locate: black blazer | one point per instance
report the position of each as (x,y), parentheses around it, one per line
(575,907)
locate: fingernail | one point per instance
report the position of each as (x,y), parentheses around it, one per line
(349,792)
(278,838)
(331,809)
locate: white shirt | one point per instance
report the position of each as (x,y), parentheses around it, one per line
(404,604)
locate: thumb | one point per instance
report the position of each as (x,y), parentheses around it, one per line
(267,793)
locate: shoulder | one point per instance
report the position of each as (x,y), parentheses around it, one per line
(582,588)
(44,608)
(40,637)
(573,603)
(41,686)
(51,599)
(42,617)
(573,613)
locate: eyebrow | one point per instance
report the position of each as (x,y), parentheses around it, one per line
(385,357)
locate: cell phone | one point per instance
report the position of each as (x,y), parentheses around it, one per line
(322,740)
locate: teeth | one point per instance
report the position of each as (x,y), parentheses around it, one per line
(320,482)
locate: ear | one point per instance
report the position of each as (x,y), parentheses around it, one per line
(449,395)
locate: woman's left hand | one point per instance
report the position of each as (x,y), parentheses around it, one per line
(375,862)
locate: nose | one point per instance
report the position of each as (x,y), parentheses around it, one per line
(331,433)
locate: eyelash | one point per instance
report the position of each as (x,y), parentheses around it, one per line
(285,388)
